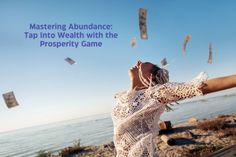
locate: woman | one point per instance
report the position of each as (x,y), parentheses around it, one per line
(137,111)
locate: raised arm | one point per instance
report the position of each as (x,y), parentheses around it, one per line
(218,84)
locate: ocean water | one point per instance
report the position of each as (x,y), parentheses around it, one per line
(98,129)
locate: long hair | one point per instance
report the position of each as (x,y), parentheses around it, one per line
(158,76)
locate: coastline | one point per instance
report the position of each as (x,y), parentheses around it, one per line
(199,138)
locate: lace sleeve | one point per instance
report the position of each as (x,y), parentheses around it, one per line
(172,92)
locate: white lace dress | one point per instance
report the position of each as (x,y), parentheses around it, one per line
(136,115)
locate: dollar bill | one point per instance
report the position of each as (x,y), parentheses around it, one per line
(143,23)
(70,61)
(133,42)
(186,40)
(210,54)
(10,99)
(164,62)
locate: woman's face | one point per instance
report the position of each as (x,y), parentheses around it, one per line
(145,68)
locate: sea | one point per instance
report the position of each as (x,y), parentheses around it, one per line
(98,129)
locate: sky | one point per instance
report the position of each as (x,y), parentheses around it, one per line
(48,89)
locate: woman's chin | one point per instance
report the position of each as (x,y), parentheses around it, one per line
(132,69)
(133,72)
(130,72)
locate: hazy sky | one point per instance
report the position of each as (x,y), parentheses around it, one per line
(48,89)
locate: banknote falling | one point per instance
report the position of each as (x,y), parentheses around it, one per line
(143,23)
(10,99)
(164,62)
(210,54)
(70,61)
(186,40)
(133,42)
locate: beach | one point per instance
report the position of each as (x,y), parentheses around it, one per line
(97,131)
(191,139)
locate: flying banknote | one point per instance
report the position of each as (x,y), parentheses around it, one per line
(164,62)
(143,23)
(133,42)
(210,54)
(70,61)
(186,40)
(10,99)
